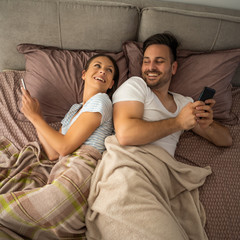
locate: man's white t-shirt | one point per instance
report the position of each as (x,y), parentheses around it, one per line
(136,89)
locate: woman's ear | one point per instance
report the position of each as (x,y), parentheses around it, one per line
(174,67)
(83,75)
(111,85)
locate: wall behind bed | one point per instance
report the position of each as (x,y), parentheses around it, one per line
(105,25)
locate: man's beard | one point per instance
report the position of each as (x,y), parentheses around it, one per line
(163,79)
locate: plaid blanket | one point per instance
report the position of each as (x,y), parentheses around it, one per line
(40,199)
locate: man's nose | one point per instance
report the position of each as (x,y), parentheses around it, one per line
(152,66)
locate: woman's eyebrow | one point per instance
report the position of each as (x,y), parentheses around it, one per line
(97,62)
(101,63)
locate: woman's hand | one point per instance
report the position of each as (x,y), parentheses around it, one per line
(30,106)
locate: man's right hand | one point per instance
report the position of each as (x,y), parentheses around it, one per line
(187,118)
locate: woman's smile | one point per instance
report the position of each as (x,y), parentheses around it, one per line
(100,79)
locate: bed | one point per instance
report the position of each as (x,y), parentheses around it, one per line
(47,43)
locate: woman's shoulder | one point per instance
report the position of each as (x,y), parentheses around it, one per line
(99,101)
(100,97)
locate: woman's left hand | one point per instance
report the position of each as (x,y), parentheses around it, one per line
(30,106)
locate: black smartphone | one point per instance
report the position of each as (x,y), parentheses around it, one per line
(207,93)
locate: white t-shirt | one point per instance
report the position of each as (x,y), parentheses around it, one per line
(135,89)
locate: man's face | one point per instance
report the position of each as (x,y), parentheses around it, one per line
(157,66)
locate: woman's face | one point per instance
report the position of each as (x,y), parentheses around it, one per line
(99,74)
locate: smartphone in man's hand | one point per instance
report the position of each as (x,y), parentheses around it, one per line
(23,84)
(207,93)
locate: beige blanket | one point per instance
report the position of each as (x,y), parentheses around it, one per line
(144,193)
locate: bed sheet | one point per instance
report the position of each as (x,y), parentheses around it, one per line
(220,194)
(13,124)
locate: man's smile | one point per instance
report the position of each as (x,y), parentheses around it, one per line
(151,74)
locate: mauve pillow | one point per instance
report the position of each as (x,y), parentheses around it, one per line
(53,76)
(134,56)
(213,69)
(195,71)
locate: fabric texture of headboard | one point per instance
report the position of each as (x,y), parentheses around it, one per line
(105,25)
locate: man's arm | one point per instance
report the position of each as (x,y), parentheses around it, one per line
(215,133)
(131,129)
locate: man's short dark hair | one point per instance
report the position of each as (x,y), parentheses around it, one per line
(164,39)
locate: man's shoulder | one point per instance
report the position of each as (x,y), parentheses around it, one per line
(134,80)
(133,89)
(133,83)
(180,95)
(181,98)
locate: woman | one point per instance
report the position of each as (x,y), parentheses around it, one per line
(100,75)
(54,205)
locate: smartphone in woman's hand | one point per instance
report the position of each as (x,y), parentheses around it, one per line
(23,84)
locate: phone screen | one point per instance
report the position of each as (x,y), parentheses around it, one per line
(23,84)
(207,93)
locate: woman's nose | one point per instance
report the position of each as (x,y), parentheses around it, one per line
(102,71)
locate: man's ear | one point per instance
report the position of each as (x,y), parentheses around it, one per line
(174,67)
(83,74)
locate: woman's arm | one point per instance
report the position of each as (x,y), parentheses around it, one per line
(31,106)
(77,134)
(51,153)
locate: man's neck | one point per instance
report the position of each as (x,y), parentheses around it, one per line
(166,99)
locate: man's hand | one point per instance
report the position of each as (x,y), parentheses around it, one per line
(213,131)
(187,118)
(205,116)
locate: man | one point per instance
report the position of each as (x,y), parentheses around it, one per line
(139,191)
(146,112)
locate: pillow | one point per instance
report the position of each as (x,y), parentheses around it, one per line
(53,76)
(134,56)
(195,71)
